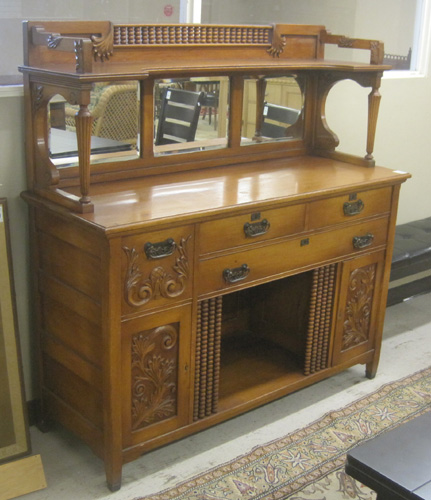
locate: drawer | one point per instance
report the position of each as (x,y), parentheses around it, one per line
(255,226)
(349,207)
(157,268)
(257,264)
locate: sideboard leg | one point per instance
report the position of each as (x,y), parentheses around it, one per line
(113,476)
(371,369)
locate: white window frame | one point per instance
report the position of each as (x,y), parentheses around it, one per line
(421,45)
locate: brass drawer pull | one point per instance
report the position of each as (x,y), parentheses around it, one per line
(236,274)
(160,250)
(256,228)
(363,241)
(353,208)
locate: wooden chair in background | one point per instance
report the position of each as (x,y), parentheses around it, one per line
(179,115)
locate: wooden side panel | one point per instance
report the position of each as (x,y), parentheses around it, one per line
(70,265)
(73,390)
(70,292)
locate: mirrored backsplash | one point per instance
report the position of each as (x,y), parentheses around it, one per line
(115,129)
(191,114)
(272,109)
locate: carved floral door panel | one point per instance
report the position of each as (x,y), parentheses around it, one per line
(155,374)
(358,306)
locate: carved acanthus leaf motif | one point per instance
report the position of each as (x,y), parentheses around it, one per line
(154,375)
(103,46)
(278,43)
(358,306)
(160,282)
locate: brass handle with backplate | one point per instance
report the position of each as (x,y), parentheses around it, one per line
(353,207)
(253,229)
(363,241)
(160,249)
(236,274)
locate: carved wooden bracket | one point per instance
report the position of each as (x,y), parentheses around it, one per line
(97,46)
(278,41)
(103,46)
(324,137)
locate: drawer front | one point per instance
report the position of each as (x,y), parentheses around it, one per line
(245,267)
(248,228)
(349,207)
(157,268)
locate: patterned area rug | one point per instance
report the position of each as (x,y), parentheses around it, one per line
(308,464)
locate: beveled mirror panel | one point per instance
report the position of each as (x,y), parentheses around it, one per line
(191,114)
(114,108)
(272,109)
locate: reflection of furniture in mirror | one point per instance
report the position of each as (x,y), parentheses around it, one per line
(210,102)
(281,91)
(176,291)
(399,62)
(179,115)
(64,145)
(277,119)
(115,114)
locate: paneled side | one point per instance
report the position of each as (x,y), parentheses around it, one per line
(70,330)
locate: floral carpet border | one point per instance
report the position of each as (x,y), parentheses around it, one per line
(286,465)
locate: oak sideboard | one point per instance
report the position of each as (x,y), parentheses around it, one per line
(180,281)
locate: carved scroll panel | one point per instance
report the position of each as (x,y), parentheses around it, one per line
(156,271)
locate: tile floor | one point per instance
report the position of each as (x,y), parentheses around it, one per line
(73,472)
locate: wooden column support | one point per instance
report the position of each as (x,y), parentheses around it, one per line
(84,122)
(373,111)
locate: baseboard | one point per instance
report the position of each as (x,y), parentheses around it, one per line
(33,411)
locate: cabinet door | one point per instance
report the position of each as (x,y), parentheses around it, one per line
(358,307)
(155,371)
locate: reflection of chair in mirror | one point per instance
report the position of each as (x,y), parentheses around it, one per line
(115,114)
(210,102)
(179,115)
(277,119)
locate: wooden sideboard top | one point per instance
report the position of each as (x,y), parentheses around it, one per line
(186,196)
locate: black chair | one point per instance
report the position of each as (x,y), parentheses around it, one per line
(276,119)
(179,115)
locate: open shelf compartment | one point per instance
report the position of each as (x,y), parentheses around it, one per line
(260,339)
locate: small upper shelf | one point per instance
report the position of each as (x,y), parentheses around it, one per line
(246,77)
